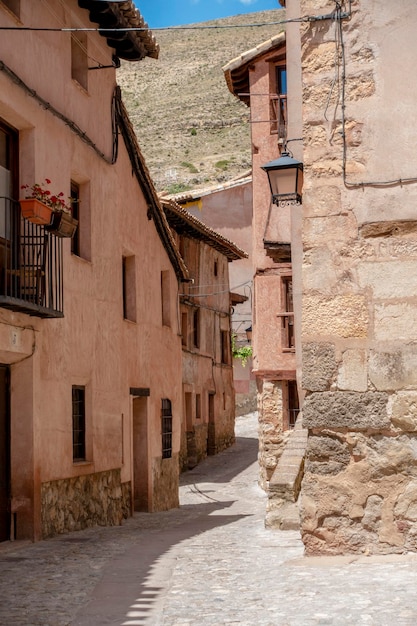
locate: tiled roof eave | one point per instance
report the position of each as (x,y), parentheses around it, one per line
(128,45)
(183,222)
(143,177)
(236,72)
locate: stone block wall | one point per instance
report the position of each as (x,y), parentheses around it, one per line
(359,493)
(196,445)
(165,474)
(221,434)
(76,503)
(272,437)
(246,402)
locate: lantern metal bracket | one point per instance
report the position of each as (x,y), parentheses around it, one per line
(287,199)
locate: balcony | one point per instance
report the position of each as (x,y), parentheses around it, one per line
(30,265)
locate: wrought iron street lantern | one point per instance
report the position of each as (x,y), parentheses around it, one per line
(249,334)
(285,177)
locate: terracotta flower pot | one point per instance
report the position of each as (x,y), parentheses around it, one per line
(35,211)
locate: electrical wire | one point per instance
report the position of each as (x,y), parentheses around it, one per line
(215,293)
(70,123)
(136,29)
(79,43)
(342,61)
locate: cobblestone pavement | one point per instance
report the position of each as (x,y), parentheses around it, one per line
(211,562)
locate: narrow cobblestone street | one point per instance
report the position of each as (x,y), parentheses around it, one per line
(210,562)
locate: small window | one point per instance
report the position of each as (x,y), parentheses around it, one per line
(75,210)
(287,316)
(129,288)
(80,209)
(278,102)
(166,417)
(79,59)
(198,406)
(225,347)
(165,298)
(78,423)
(216,269)
(184,329)
(196,328)
(293,405)
(287,294)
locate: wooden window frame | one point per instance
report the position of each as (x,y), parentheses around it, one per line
(287,315)
(278,97)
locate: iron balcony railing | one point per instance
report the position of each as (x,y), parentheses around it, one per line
(31,265)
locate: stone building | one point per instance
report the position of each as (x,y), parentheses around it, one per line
(89,419)
(359,235)
(227,209)
(208,418)
(259,78)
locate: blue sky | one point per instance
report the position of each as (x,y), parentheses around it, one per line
(161,13)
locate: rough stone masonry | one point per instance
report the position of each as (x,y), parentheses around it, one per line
(359,330)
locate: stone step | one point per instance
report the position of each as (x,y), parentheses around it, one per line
(284,486)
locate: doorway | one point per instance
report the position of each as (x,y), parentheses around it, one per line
(211,434)
(140,455)
(4,453)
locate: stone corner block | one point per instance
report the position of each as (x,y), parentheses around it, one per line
(319,366)
(345,409)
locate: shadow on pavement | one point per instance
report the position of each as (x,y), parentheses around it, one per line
(133,584)
(223,467)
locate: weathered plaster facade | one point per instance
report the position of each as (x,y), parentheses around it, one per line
(112,338)
(227,209)
(259,72)
(208,418)
(359,493)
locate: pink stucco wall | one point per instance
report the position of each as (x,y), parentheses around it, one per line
(205,370)
(228,210)
(268,358)
(92,345)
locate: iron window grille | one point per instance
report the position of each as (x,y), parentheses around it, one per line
(78,423)
(166,418)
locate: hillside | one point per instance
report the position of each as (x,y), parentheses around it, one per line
(192,131)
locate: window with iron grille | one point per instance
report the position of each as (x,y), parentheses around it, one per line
(78,423)
(166,417)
